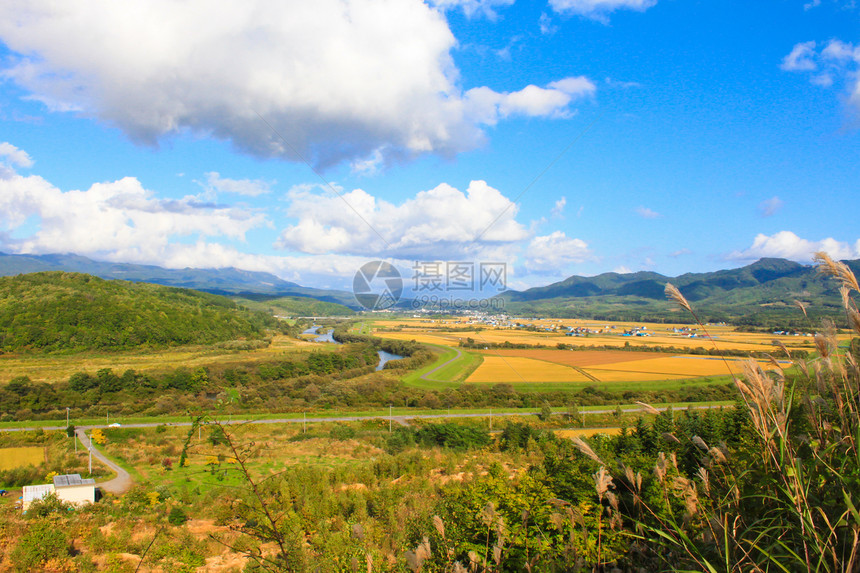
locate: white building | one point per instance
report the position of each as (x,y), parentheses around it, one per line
(70,488)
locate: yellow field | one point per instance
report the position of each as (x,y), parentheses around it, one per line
(603,334)
(580,358)
(518,369)
(586,432)
(622,376)
(686,366)
(11,458)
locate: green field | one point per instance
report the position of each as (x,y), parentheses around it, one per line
(11,458)
(450,376)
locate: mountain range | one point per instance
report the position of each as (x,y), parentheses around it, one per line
(755,294)
(226,281)
(759,293)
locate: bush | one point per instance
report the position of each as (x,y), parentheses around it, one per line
(42,542)
(342,432)
(46,506)
(176,516)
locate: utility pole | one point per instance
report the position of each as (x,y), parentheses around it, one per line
(491,419)
(389,418)
(91,458)
(67,416)
(304,422)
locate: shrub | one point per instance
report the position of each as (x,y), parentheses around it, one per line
(42,542)
(176,516)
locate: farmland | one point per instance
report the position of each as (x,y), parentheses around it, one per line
(552,352)
(11,458)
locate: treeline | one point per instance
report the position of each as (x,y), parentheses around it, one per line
(698,351)
(320,382)
(55,311)
(132,392)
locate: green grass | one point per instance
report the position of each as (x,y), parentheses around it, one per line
(460,369)
(361,328)
(451,376)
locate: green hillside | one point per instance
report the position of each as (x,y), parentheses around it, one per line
(296,306)
(56,311)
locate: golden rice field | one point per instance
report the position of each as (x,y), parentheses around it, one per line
(723,336)
(537,365)
(686,366)
(517,369)
(581,358)
(11,458)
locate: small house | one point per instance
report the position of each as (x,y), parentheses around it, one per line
(70,488)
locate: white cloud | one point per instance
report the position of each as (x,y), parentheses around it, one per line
(599,9)
(622,270)
(680,253)
(489,106)
(546,26)
(838,62)
(248,187)
(558,208)
(768,207)
(647,213)
(787,245)
(442,223)
(801,58)
(14,157)
(119,220)
(340,80)
(473,7)
(552,253)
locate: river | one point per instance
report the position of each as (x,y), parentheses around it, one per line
(384,357)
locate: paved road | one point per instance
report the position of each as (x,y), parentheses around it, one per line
(443,365)
(118,485)
(395,418)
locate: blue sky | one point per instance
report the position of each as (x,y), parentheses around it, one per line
(560,137)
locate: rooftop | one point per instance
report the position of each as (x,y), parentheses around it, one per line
(72,479)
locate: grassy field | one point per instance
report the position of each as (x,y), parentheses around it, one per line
(54,367)
(11,458)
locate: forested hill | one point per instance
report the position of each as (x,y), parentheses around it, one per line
(55,311)
(760,293)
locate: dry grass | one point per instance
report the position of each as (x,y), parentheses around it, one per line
(51,368)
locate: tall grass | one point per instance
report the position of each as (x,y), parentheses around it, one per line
(788,499)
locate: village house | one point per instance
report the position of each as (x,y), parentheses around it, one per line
(70,488)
